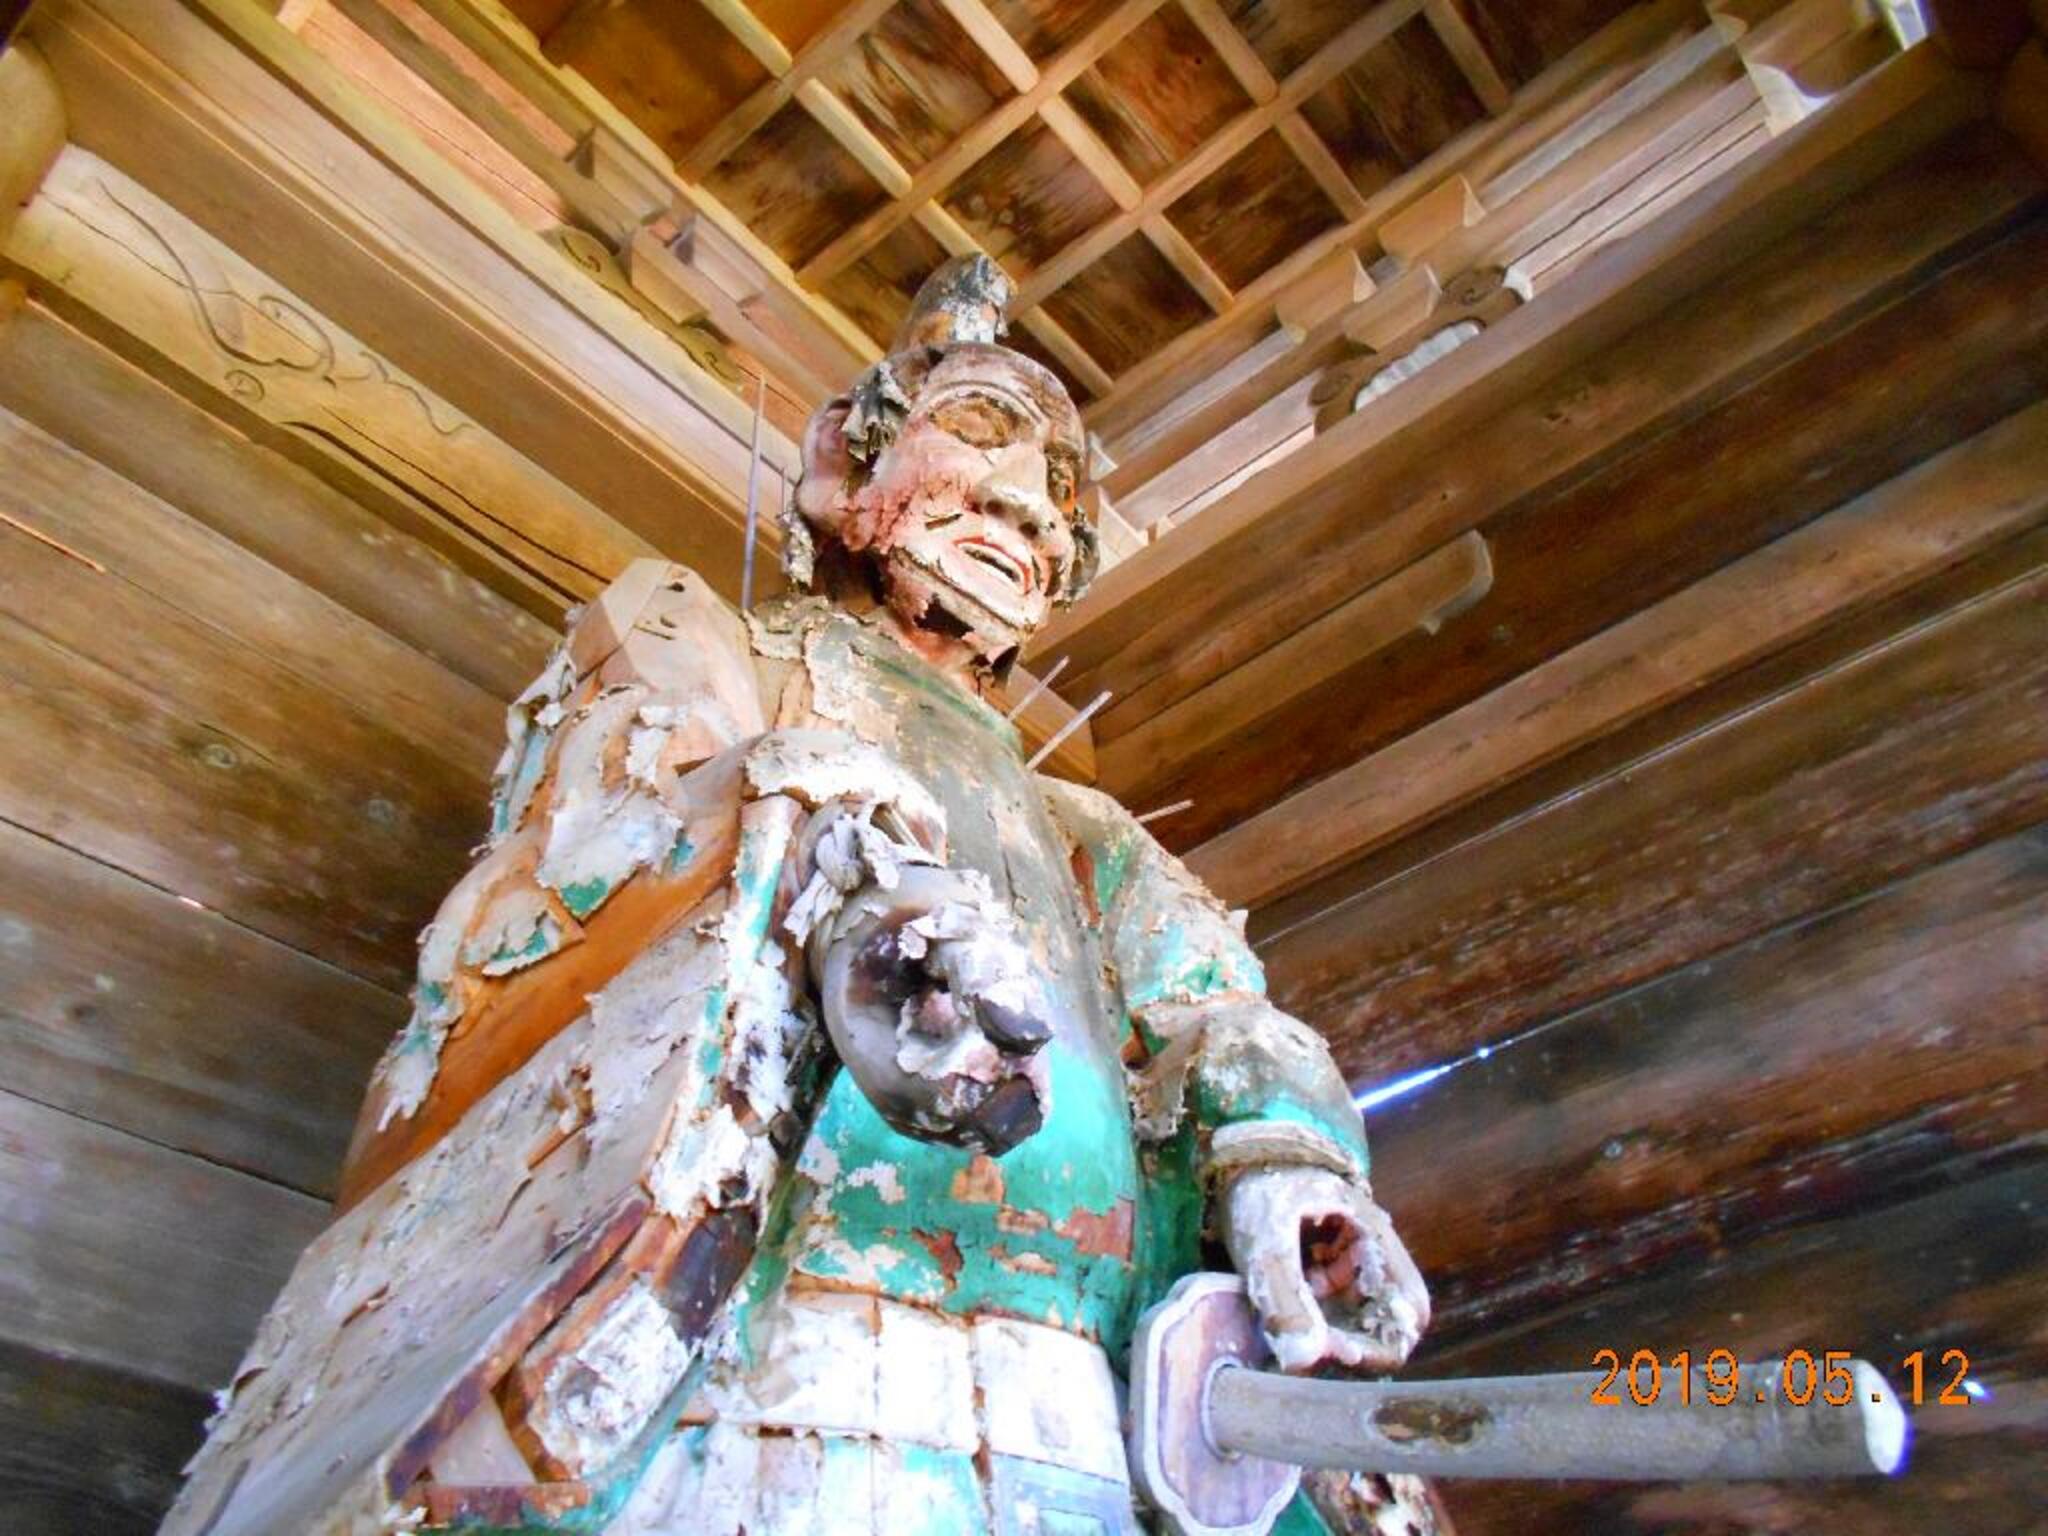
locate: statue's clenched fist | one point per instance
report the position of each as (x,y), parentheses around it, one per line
(1332,1282)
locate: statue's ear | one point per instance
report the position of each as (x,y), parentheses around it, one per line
(829,470)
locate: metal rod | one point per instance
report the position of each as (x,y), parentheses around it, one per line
(1166,810)
(1080,719)
(1550,1427)
(753,503)
(1037,688)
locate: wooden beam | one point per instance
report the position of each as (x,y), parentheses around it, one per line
(121,261)
(104,1019)
(227,112)
(1911,103)
(1332,59)
(754,34)
(817,55)
(1424,596)
(77,391)
(1989,489)
(1474,62)
(31,131)
(993,39)
(1571,90)
(979,139)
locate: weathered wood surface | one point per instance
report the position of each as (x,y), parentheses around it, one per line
(1528,405)
(1963,351)
(269,147)
(261,758)
(122,1004)
(1955,1267)
(88,1448)
(1817,1069)
(76,390)
(1923,746)
(122,262)
(119,1252)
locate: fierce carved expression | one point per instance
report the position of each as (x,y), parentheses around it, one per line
(968,508)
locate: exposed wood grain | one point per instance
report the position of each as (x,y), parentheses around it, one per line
(1437,587)
(1127,304)
(1168,86)
(136,539)
(1576,90)
(971,146)
(915,80)
(162,744)
(1957,1267)
(1221,148)
(33,130)
(766,99)
(89,1448)
(1808,436)
(1922,746)
(485,313)
(1540,393)
(1463,44)
(1806,1071)
(134,1257)
(76,390)
(1026,198)
(124,1005)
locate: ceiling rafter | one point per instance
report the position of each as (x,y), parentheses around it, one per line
(774,93)
(1257,82)
(831,113)
(1631,60)
(969,148)
(1323,66)
(1470,55)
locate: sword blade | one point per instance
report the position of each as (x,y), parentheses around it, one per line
(1550,1427)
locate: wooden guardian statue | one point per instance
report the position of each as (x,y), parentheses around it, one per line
(802,1099)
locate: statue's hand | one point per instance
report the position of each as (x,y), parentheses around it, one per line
(932,1001)
(1332,1282)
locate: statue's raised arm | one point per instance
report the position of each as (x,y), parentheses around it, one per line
(801,1098)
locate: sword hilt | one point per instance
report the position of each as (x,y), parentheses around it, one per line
(1218,1444)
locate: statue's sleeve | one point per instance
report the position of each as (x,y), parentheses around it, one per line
(1204,1043)
(569,1152)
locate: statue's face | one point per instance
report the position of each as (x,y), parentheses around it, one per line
(986,488)
(968,511)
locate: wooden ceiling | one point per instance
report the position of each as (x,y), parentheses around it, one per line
(1141,167)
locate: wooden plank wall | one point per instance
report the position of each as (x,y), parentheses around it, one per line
(249,731)
(1743,994)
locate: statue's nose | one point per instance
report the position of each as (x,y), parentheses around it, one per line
(999,496)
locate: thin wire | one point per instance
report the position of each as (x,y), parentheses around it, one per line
(753,503)
(1080,719)
(1037,688)
(1165,810)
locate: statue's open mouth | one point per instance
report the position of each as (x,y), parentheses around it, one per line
(1001,561)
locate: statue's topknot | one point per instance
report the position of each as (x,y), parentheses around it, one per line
(965,299)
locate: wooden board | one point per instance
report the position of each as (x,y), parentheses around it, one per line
(917,81)
(1254,210)
(122,1004)
(1126,304)
(1403,101)
(1958,1267)
(1912,752)
(124,1254)
(1817,1068)
(1811,435)
(1028,198)
(1521,38)
(76,390)
(90,1448)
(877,289)
(1158,95)
(793,185)
(672,68)
(186,751)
